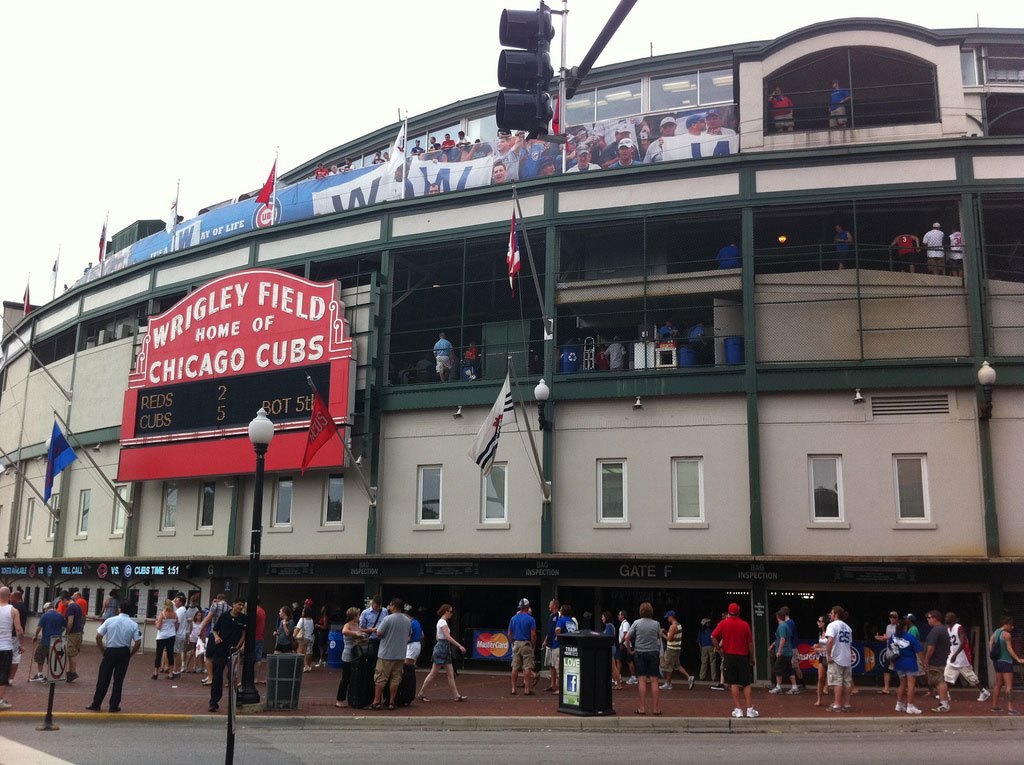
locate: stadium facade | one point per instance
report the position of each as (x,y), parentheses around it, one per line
(809,429)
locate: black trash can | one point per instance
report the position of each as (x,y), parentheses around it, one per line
(585,669)
(284,679)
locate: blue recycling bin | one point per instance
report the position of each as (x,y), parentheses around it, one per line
(569,360)
(687,356)
(335,648)
(733,350)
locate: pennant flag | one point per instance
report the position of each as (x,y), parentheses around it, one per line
(556,121)
(321,428)
(398,150)
(27,306)
(59,456)
(486,444)
(512,257)
(172,224)
(103,240)
(267,191)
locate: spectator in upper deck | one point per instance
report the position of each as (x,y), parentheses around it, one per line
(434,144)
(463,142)
(780,109)
(346,165)
(320,172)
(378,159)
(448,142)
(417,149)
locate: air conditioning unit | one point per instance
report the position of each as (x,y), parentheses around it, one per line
(104,336)
(124,330)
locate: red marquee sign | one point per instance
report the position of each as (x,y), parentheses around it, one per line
(241,342)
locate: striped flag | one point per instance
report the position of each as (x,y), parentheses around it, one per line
(486,444)
(512,257)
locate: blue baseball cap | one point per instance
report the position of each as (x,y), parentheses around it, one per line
(670,613)
(693,119)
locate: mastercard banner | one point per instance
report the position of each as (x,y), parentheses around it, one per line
(492,645)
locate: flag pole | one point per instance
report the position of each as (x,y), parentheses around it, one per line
(545,486)
(9,462)
(56,263)
(273,190)
(549,326)
(371,491)
(68,433)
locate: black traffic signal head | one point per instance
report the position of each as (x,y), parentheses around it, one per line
(525,73)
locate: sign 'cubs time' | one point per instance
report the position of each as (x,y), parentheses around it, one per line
(206,365)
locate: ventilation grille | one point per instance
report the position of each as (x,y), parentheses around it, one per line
(895,406)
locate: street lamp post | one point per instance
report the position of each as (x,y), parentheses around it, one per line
(987,380)
(261,432)
(542,393)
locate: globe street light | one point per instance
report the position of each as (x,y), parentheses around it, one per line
(261,432)
(542,393)
(987,380)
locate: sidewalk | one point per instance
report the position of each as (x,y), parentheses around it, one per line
(488,697)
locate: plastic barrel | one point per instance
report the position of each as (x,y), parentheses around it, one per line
(733,350)
(569,360)
(687,356)
(470,371)
(335,648)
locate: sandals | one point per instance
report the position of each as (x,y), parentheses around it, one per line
(341,704)
(156,675)
(460,698)
(514,692)
(528,693)
(657,714)
(375,706)
(392,707)
(639,712)
(421,697)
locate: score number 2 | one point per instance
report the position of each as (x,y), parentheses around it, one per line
(223,392)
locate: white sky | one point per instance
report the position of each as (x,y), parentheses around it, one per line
(107,104)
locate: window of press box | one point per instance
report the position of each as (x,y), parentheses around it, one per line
(350,272)
(680,91)
(884,87)
(1004,63)
(609,102)
(54,348)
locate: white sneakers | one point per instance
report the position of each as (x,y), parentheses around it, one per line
(5,704)
(691,681)
(751,712)
(985,694)
(776,690)
(665,686)
(901,707)
(912,710)
(632,680)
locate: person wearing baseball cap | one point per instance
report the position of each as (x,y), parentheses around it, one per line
(583,163)
(696,123)
(627,154)
(673,638)
(522,630)
(735,639)
(656,151)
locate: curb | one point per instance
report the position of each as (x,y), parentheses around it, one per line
(887,725)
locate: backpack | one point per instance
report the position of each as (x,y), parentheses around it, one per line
(995,649)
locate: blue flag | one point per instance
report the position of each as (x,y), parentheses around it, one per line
(58,457)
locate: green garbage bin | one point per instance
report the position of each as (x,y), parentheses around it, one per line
(284,679)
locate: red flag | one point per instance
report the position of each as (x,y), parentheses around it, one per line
(103,241)
(321,428)
(268,187)
(556,121)
(512,256)
(27,306)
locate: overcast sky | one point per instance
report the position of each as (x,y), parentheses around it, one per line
(106,105)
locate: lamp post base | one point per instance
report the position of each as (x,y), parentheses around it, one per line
(250,709)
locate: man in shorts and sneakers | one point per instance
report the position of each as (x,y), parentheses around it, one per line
(783,647)
(551,646)
(623,653)
(10,637)
(75,617)
(839,647)
(736,641)
(959,662)
(522,630)
(936,655)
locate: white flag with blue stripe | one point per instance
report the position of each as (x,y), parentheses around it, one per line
(486,445)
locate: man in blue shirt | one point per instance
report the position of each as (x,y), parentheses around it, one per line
(118,638)
(368,621)
(443,357)
(412,651)
(837,101)
(522,631)
(51,625)
(551,645)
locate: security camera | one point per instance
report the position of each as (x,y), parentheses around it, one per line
(458,413)
(857,398)
(637,404)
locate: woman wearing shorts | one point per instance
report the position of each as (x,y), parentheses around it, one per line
(644,637)
(907,649)
(1003,637)
(442,655)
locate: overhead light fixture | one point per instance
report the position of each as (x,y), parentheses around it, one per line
(783,238)
(97,447)
(458,413)
(637,404)
(857,398)
(359,460)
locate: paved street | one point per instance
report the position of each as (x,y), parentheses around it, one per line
(87,743)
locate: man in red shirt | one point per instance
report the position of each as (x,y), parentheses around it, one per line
(736,641)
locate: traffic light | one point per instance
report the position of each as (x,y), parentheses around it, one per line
(525,73)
